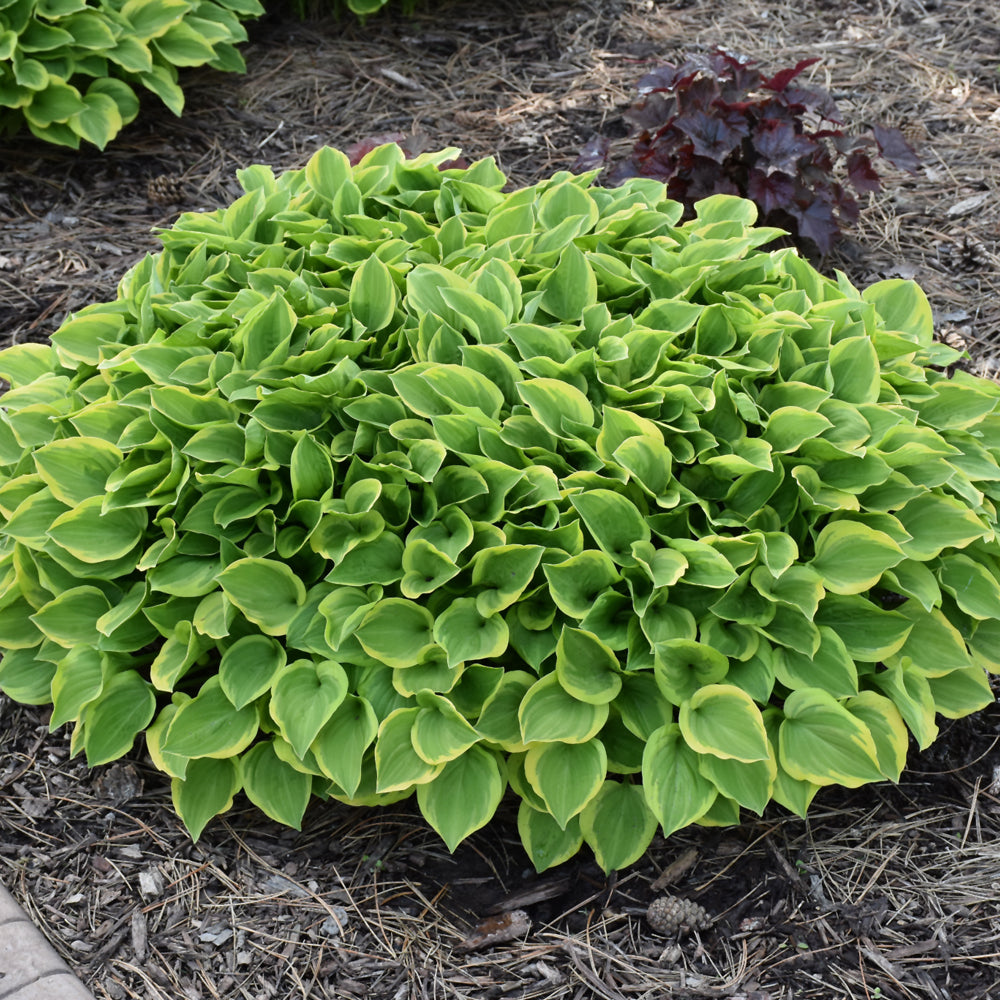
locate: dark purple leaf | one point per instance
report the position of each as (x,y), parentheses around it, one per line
(861,173)
(847,207)
(698,95)
(782,79)
(706,180)
(662,78)
(652,111)
(771,191)
(712,135)
(816,222)
(896,149)
(593,154)
(737,72)
(779,144)
(817,100)
(620,173)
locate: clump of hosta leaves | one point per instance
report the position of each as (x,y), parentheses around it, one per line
(363,9)
(384,481)
(71,70)
(716,125)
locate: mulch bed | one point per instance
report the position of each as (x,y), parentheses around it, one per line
(886,891)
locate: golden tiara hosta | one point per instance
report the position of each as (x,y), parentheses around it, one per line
(72,70)
(384,481)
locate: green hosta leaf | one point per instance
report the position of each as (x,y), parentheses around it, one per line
(956,406)
(618,825)
(94,537)
(822,742)
(277,789)
(327,171)
(426,568)
(614,522)
(209,725)
(340,745)
(855,370)
(888,730)
(829,668)
(904,307)
(789,426)
(464,796)
(399,765)
(707,567)
(558,406)
(124,709)
(642,707)
(798,586)
(466,635)
(750,784)
(910,691)
(176,656)
(26,678)
(724,721)
(851,557)
(431,674)
(504,571)
(263,335)
(248,668)
(985,645)
(78,680)
(17,630)
(566,776)
(869,633)
(682,666)
(71,618)
(76,469)
(586,668)
(548,713)
(151,18)
(207,789)
(976,591)
(58,102)
(934,645)
(440,732)
(545,841)
(675,789)
(373,294)
(304,695)
(570,287)
(266,591)
(577,582)
(936,523)
(397,632)
(961,692)
(498,721)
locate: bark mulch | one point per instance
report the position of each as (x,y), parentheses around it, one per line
(886,891)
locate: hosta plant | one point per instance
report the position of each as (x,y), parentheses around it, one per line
(382,481)
(73,70)
(717,125)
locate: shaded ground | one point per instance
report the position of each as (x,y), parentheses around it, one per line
(886,892)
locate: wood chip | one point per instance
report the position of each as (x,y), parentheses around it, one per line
(496,930)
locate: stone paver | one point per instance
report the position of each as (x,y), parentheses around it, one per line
(30,968)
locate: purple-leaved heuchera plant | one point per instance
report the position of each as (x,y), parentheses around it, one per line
(716,125)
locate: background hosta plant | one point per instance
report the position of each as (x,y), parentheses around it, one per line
(716,125)
(383,481)
(72,70)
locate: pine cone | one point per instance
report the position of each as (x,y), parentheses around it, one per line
(672,914)
(165,189)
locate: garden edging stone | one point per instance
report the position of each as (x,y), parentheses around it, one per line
(30,968)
